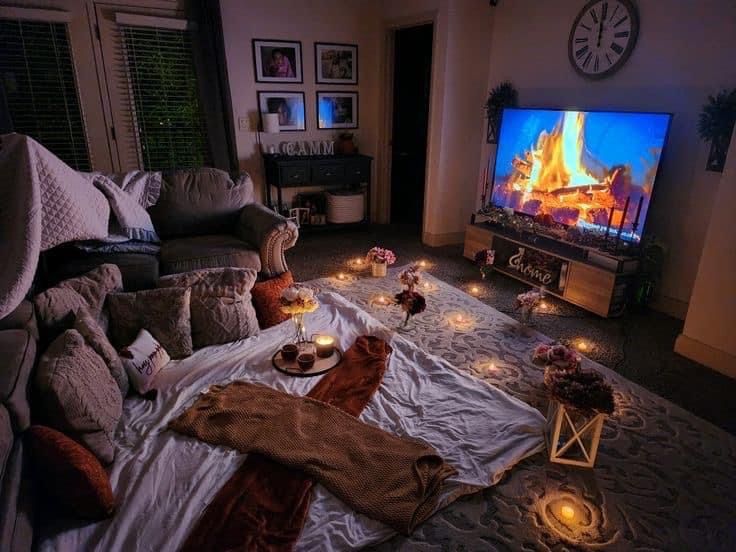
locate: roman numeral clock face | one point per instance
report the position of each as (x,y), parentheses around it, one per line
(603,37)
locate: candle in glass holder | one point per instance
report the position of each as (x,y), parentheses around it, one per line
(324,345)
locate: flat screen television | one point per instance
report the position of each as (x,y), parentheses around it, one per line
(589,169)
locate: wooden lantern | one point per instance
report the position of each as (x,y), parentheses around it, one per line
(572,437)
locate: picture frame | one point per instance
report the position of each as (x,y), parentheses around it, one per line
(335,63)
(277,61)
(337,110)
(290,106)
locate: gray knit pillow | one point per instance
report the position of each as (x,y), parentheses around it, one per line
(78,395)
(221,306)
(163,312)
(95,337)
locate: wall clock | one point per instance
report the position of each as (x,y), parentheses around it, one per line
(602,37)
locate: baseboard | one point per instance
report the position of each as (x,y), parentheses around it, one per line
(718,360)
(670,306)
(438,240)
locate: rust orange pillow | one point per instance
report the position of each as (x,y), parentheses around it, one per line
(70,474)
(266,297)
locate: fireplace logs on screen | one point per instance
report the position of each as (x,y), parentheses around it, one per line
(559,177)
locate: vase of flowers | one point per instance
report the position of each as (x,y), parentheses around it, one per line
(485,259)
(526,304)
(298,300)
(411,302)
(580,400)
(380,258)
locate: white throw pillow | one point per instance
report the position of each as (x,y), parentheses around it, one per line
(143,360)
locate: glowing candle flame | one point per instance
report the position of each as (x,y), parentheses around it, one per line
(426,285)
(341,276)
(358,261)
(543,305)
(422,263)
(459,318)
(474,290)
(582,345)
(567,512)
(324,340)
(381,299)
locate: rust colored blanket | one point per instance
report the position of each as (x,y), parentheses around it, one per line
(393,480)
(264,505)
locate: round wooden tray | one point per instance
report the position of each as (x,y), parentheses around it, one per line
(321,365)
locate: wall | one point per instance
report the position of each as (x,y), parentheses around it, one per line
(462,31)
(684,52)
(709,335)
(341,21)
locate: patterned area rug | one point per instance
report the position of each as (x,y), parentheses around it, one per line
(664,479)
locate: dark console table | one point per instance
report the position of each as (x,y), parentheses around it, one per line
(297,171)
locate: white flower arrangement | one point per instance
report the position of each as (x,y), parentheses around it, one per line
(297,299)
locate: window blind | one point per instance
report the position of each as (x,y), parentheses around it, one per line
(37,75)
(166,111)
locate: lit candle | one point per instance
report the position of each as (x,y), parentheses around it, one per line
(381,299)
(426,285)
(324,345)
(582,345)
(341,276)
(422,263)
(359,261)
(567,512)
(459,318)
(543,305)
(474,290)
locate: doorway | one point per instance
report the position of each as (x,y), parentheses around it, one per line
(411,89)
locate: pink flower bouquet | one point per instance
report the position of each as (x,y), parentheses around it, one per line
(557,356)
(380,255)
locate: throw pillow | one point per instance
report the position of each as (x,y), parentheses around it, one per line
(163,312)
(70,474)
(266,299)
(95,337)
(78,395)
(220,304)
(143,360)
(56,306)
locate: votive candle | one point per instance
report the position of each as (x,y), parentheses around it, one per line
(324,345)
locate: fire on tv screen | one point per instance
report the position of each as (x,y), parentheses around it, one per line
(580,167)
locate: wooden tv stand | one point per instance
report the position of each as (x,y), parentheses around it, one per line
(574,278)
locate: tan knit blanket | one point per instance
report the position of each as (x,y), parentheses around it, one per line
(394,480)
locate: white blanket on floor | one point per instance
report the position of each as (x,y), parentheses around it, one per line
(164,481)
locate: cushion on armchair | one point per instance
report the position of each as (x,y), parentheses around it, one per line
(212,251)
(198,202)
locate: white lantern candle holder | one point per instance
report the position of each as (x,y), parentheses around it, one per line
(572,437)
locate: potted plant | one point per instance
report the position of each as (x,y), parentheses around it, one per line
(503,95)
(715,125)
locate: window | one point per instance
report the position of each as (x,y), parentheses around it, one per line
(38,79)
(167,115)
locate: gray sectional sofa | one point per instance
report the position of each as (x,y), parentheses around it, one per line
(205,220)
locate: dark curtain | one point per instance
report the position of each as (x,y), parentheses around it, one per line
(209,58)
(6,122)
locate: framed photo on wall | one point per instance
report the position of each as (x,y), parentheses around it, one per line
(337,110)
(277,60)
(335,63)
(288,105)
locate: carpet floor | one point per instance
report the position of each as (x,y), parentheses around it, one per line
(638,345)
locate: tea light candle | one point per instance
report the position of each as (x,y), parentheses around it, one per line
(341,276)
(567,512)
(459,319)
(475,290)
(324,345)
(381,299)
(359,261)
(426,285)
(582,345)
(422,263)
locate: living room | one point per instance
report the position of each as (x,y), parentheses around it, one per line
(495,234)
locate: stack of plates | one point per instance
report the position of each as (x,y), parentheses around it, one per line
(345,207)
